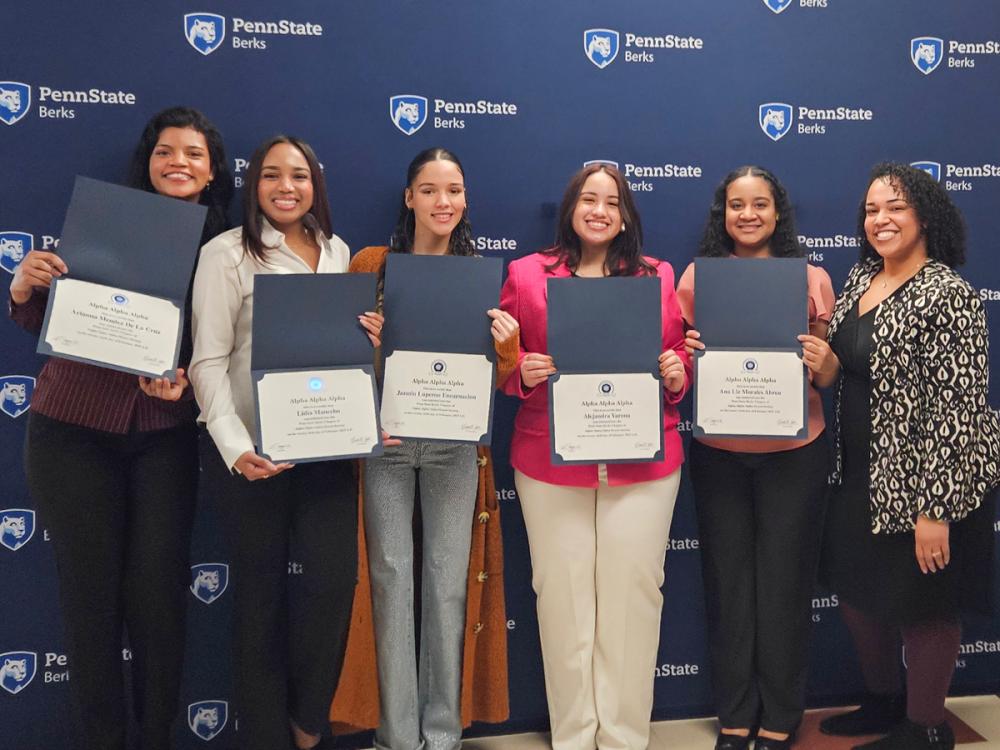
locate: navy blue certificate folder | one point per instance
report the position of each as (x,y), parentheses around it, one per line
(131,239)
(751,303)
(306,320)
(438,303)
(605,325)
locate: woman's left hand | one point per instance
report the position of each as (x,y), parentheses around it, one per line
(672,371)
(372,322)
(504,326)
(931,537)
(162,388)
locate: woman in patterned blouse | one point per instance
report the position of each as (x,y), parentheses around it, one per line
(909,532)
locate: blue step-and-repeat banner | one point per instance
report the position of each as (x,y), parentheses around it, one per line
(676,94)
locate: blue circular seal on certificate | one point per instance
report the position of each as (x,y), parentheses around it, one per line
(439,367)
(315,384)
(606,388)
(119,299)
(750,365)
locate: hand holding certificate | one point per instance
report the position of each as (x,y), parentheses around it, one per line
(606,400)
(129,254)
(750,381)
(439,355)
(311,365)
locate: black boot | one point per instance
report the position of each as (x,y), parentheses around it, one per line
(910,736)
(877,714)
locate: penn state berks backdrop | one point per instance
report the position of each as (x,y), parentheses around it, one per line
(676,94)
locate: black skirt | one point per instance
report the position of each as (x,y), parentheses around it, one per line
(878,573)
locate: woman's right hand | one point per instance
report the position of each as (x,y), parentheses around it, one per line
(253,467)
(692,342)
(536,368)
(36,270)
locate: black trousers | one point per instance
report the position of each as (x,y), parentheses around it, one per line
(290,626)
(760,519)
(120,509)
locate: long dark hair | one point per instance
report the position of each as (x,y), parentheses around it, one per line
(217,193)
(715,240)
(460,242)
(943,228)
(253,217)
(625,254)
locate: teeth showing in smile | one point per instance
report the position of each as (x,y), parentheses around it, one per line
(178,176)
(285,203)
(885,235)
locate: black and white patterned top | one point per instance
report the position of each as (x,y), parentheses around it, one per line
(935,445)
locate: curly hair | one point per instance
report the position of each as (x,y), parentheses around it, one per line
(625,253)
(461,241)
(943,227)
(715,240)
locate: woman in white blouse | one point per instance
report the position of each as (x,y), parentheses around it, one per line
(290,636)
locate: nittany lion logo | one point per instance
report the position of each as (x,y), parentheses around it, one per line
(17,526)
(408,112)
(204,31)
(17,670)
(600,161)
(775,119)
(777,5)
(926,52)
(209,581)
(932,168)
(15,394)
(13,247)
(600,46)
(208,718)
(15,100)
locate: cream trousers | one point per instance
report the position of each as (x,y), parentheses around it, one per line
(597,567)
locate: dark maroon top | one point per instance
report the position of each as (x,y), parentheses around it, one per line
(97,397)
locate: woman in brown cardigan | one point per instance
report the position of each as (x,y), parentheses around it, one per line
(456,685)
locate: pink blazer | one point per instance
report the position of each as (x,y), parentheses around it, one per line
(524,296)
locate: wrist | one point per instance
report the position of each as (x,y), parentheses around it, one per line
(19,296)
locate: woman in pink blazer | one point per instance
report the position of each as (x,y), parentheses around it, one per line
(597,533)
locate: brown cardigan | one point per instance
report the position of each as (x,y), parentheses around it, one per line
(484,672)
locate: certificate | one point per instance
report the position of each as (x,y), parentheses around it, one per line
(432,393)
(606,400)
(124,330)
(311,365)
(750,380)
(312,415)
(130,254)
(750,393)
(439,377)
(606,418)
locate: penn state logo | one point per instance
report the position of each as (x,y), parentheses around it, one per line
(775,119)
(926,52)
(932,168)
(439,367)
(776,6)
(600,161)
(15,100)
(600,46)
(205,31)
(17,526)
(13,247)
(209,581)
(606,388)
(15,394)
(408,112)
(17,670)
(208,718)
(750,365)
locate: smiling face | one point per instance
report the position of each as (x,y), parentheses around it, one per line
(597,217)
(751,216)
(285,189)
(437,198)
(892,225)
(179,165)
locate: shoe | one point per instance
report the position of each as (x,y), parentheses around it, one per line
(910,736)
(877,714)
(732,742)
(770,743)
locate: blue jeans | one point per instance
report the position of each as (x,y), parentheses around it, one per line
(420,712)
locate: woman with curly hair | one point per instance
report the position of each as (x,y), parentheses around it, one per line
(760,503)
(909,538)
